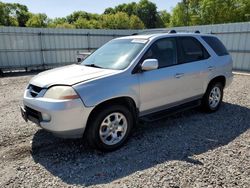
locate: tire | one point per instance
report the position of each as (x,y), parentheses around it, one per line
(212,99)
(1,73)
(109,128)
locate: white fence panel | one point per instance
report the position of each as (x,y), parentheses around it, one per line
(41,48)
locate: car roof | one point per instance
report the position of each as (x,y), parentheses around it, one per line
(159,34)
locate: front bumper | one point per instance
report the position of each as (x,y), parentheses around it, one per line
(229,79)
(68,117)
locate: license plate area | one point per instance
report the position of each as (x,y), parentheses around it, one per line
(30,114)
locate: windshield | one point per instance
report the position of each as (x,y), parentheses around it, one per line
(116,54)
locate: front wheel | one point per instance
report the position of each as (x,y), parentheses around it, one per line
(109,127)
(213,97)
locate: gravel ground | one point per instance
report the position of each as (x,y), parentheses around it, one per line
(189,149)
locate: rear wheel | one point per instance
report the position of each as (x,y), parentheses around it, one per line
(212,99)
(109,128)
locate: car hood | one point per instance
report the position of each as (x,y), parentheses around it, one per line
(69,75)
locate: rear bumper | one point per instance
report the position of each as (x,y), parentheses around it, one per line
(68,118)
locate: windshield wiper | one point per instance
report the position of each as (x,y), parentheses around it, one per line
(93,65)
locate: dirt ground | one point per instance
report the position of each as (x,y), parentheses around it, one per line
(189,149)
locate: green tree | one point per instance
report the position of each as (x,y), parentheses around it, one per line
(194,12)
(76,15)
(20,12)
(65,26)
(2,13)
(95,24)
(197,12)
(147,12)
(120,20)
(136,23)
(179,16)
(218,11)
(37,20)
(6,18)
(246,10)
(129,8)
(81,14)
(134,15)
(82,23)
(109,11)
(60,23)
(52,23)
(164,17)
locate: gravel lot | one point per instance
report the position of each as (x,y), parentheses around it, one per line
(190,149)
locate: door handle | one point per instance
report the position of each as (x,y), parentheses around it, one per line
(178,75)
(210,68)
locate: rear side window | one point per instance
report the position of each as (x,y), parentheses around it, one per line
(190,50)
(216,45)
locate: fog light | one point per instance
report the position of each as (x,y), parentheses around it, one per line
(46,117)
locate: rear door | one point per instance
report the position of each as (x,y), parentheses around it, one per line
(193,67)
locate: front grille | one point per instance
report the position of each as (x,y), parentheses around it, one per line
(34,90)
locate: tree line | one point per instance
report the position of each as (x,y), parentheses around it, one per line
(133,15)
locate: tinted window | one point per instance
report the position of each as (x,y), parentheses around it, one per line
(216,45)
(190,49)
(164,50)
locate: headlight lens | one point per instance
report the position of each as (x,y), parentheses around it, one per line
(61,92)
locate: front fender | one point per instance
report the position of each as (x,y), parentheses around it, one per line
(97,91)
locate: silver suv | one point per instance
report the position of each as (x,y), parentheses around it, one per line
(139,77)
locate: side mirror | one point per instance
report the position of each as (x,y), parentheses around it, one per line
(149,64)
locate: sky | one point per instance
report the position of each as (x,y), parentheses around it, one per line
(62,8)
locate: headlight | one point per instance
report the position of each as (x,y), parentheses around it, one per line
(61,92)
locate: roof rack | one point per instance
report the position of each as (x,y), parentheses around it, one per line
(172,31)
(155,31)
(151,31)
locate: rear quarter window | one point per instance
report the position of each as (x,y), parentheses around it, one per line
(216,45)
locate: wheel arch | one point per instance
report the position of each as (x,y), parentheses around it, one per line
(221,79)
(205,99)
(126,101)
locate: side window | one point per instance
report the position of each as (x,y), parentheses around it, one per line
(216,45)
(164,50)
(190,50)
